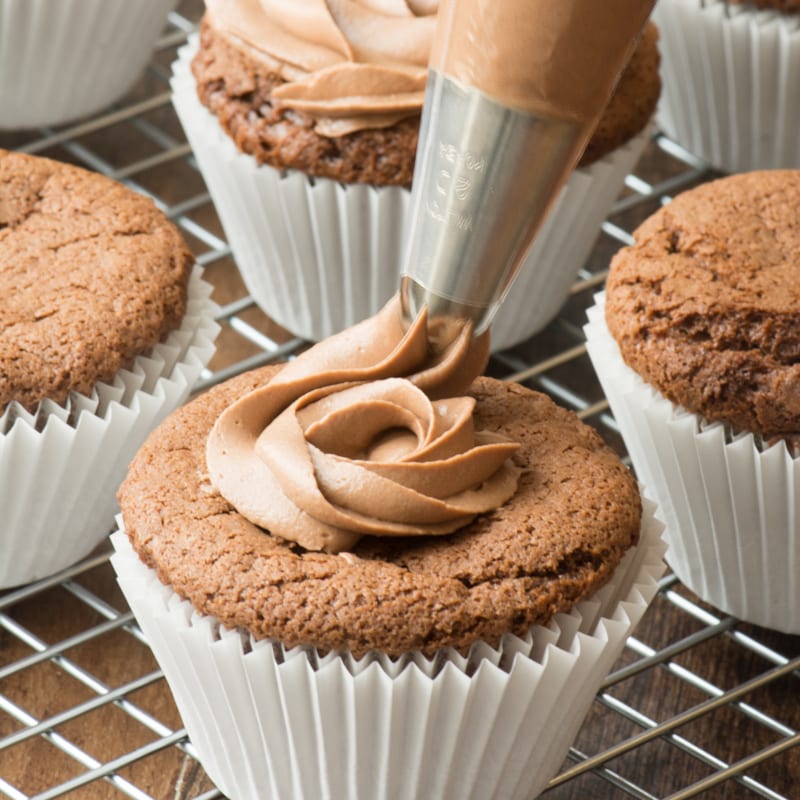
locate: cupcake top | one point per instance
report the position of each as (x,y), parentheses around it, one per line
(331,89)
(347,64)
(335,89)
(566,512)
(706,305)
(92,276)
(557,540)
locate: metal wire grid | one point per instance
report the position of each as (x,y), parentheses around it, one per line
(613,755)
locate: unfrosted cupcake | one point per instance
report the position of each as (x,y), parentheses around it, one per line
(104,327)
(732,83)
(697,346)
(358,585)
(307,145)
(64,59)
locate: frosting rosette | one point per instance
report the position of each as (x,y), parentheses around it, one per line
(347,64)
(364,434)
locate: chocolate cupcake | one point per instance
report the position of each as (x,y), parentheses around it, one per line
(699,354)
(308,153)
(105,327)
(389,546)
(732,87)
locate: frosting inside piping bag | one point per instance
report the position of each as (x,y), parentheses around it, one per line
(364,434)
(558,59)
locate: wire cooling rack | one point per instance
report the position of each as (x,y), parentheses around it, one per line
(700,704)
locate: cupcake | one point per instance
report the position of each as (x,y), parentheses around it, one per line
(307,142)
(697,346)
(364,585)
(65,59)
(106,325)
(732,86)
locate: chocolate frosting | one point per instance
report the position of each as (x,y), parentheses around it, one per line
(348,64)
(364,434)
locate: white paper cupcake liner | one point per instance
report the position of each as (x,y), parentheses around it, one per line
(64,59)
(60,467)
(318,256)
(731,78)
(290,723)
(731,505)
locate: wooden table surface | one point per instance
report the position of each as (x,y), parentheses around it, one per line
(71,659)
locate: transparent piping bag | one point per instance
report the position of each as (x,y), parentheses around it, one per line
(515,89)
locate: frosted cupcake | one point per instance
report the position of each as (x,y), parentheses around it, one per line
(358,585)
(732,84)
(64,59)
(307,146)
(106,325)
(697,346)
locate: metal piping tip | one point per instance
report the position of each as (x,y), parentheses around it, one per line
(415,297)
(446,317)
(485,177)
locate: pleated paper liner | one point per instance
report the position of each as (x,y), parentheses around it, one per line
(60,467)
(267,721)
(731,83)
(730,502)
(318,256)
(63,59)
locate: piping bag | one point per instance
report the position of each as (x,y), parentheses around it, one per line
(515,89)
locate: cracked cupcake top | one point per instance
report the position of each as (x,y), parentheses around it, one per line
(706,305)
(91,275)
(574,515)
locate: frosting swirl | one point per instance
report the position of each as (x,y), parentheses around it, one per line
(337,446)
(348,64)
